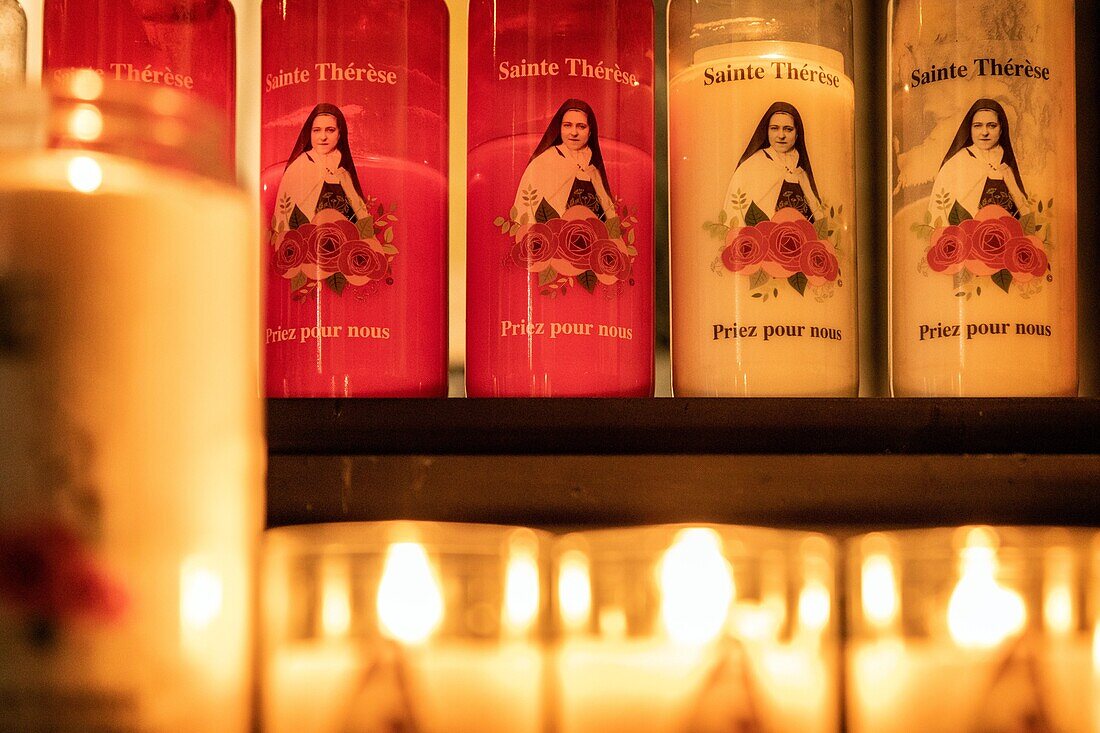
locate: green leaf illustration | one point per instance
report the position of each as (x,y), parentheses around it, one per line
(388,236)
(337,282)
(962,277)
(630,237)
(389,249)
(1040,207)
(614,228)
(754,215)
(1028,224)
(958,215)
(758,279)
(927,217)
(545,212)
(498,221)
(297,218)
(722,216)
(297,282)
(587,280)
(513,213)
(1002,279)
(365,227)
(821,226)
(798,282)
(548,276)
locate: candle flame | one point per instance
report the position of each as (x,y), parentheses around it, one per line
(983,613)
(879,590)
(86,123)
(201,595)
(696,587)
(335,600)
(814,606)
(521,596)
(84,174)
(574,589)
(410,601)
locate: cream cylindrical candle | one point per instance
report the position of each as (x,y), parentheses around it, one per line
(762,199)
(403,626)
(131,454)
(991,635)
(984,207)
(13,42)
(695,629)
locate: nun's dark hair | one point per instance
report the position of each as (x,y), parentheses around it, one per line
(552,137)
(964,137)
(759,140)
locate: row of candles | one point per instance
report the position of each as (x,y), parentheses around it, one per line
(443,628)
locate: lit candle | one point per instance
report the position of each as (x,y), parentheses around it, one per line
(431,627)
(658,636)
(993,641)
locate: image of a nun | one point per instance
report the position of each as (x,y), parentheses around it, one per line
(980,167)
(774,172)
(320,173)
(566,169)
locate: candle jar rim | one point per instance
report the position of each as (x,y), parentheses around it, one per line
(934,543)
(366,536)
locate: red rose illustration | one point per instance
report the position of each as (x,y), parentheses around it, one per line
(988,233)
(609,261)
(535,245)
(1025,258)
(575,240)
(290,253)
(362,261)
(818,263)
(323,244)
(46,570)
(950,248)
(745,247)
(787,233)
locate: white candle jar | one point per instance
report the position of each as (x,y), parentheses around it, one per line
(413,626)
(974,630)
(677,629)
(131,449)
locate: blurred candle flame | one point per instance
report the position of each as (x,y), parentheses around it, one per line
(410,601)
(696,585)
(983,613)
(86,123)
(335,600)
(814,606)
(84,174)
(574,589)
(521,604)
(201,595)
(879,590)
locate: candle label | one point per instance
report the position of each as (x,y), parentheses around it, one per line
(565,230)
(984,213)
(560,255)
(189,45)
(762,202)
(354,193)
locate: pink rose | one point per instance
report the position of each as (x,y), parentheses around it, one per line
(362,261)
(949,250)
(745,247)
(47,570)
(818,263)
(575,240)
(1025,258)
(290,253)
(535,246)
(323,244)
(787,233)
(609,261)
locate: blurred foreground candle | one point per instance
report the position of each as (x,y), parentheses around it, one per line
(13,42)
(420,627)
(975,630)
(695,630)
(131,450)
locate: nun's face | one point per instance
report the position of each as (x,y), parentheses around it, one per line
(781,132)
(324,134)
(985,130)
(574,129)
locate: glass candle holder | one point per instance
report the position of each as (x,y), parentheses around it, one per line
(131,451)
(676,629)
(403,626)
(762,198)
(983,257)
(13,42)
(974,630)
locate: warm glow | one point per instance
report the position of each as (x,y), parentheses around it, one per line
(521,599)
(85,175)
(696,586)
(86,123)
(814,606)
(336,599)
(879,591)
(86,84)
(410,602)
(201,595)
(981,612)
(1096,649)
(574,589)
(1058,612)
(613,622)
(757,622)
